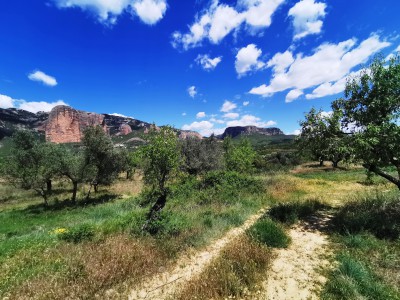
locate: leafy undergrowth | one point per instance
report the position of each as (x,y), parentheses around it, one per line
(369,250)
(234,274)
(83,251)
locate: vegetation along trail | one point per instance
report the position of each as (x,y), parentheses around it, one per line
(295,272)
(165,284)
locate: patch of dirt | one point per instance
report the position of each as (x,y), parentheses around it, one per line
(296,272)
(168,282)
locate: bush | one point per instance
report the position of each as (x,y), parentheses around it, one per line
(167,224)
(268,232)
(290,213)
(77,234)
(379,215)
(230,179)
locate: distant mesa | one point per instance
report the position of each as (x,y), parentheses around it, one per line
(247,130)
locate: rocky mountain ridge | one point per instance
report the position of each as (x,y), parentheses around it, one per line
(247,130)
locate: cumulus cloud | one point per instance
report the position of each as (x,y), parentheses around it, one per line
(107,11)
(43,78)
(183,114)
(214,120)
(201,115)
(247,59)
(192,91)
(31,106)
(231,115)
(293,95)
(328,64)
(205,128)
(228,106)
(245,103)
(208,63)
(250,120)
(296,132)
(6,101)
(307,15)
(219,20)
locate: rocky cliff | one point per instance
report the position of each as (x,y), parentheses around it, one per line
(247,130)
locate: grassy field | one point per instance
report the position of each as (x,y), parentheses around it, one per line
(84,250)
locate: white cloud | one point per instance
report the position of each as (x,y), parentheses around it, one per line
(43,78)
(201,115)
(6,101)
(293,95)
(281,61)
(228,106)
(183,114)
(231,115)
(107,11)
(307,15)
(214,120)
(150,11)
(250,120)
(35,107)
(120,115)
(218,20)
(208,63)
(247,59)
(326,114)
(192,91)
(296,132)
(330,63)
(245,103)
(31,106)
(204,127)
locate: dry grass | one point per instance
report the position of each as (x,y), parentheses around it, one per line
(234,273)
(88,270)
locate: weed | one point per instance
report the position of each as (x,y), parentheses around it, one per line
(83,232)
(290,213)
(268,232)
(234,273)
(378,214)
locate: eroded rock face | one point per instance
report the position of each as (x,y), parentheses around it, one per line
(125,129)
(66,125)
(189,134)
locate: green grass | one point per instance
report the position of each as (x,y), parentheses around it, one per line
(291,212)
(270,233)
(378,214)
(197,210)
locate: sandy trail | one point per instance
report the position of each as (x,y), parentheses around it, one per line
(295,273)
(165,284)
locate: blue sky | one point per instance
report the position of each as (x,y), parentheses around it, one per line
(199,65)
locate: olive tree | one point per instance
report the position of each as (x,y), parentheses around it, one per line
(370,110)
(32,164)
(160,162)
(201,155)
(239,157)
(322,135)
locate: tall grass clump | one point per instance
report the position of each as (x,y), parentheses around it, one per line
(291,212)
(267,232)
(378,214)
(354,280)
(234,274)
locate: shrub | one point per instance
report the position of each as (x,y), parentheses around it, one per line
(290,213)
(77,234)
(268,232)
(379,215)
(167,224)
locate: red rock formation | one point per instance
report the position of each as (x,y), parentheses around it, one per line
(125,129)
(190,134)
(66,125)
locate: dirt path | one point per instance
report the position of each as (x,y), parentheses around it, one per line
(165,284)
(295,272)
